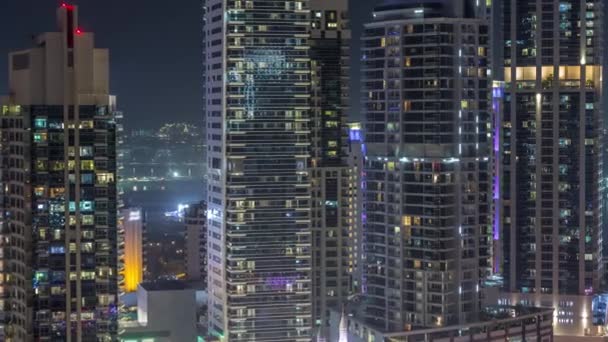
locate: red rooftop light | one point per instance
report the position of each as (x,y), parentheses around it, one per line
(78,31)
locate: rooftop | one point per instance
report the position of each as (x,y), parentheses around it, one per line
(165,285)
(355,309)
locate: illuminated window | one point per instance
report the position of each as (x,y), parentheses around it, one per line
(87,247)
(87,165)
(40,123)
(407,105)
(40,137)
(105,178)
(88,219)
(56,192)
(41,165)
(525,73)
(86,124)
(57,165)
(569,72)
(86,151)
(87,275)
(406,221)
(39,191)
(590,72)
(57,250)
(87,206)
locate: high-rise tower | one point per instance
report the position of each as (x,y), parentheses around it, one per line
(334,181)
(195,218)
(59,190)
(551,162)
(426,107)
(257,110)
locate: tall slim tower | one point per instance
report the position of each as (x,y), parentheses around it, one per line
(334,181)
(59,190)
(552,154)
(257,93)
(426,96)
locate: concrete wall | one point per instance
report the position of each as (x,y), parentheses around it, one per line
(173,311)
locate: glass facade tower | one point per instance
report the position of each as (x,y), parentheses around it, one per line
(426,101)
(257,111)
(551,159)
(334,179)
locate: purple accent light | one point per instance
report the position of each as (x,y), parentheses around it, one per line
(497,96)
(278,283)
(354,134)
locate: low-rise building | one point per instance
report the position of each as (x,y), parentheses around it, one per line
(166,312)
(497,323)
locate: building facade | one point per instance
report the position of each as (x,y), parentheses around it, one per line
(551,154)
(333,178)
(195,218)
(59,192)
(426,102)
(257,112)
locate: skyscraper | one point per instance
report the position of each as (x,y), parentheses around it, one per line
(552,154)
(334,181)
(426,107)
(257,109)
(59,192)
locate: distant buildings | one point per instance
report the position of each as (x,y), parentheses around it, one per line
(133,252)
(427,173)
(195,219)
(59,199)
(175,151)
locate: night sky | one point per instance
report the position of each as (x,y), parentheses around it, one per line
(155,51)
